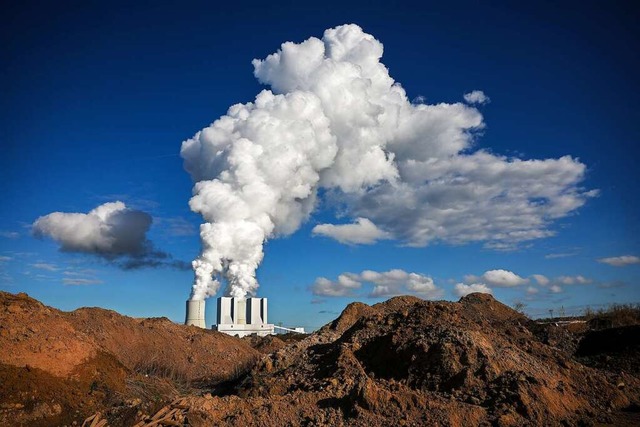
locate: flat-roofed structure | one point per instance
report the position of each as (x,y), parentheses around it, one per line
(243,316)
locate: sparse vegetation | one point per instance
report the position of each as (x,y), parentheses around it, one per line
(519,306)
(174,370)
(613,316)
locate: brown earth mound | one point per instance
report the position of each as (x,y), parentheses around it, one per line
(402,362)
(412,362)
(58,367)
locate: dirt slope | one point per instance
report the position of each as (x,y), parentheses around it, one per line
(412,362)
(58,367)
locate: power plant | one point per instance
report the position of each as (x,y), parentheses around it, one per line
(243,316)
(236,316)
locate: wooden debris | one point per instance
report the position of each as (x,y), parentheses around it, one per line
(161,412)
(95,420)
(171,415)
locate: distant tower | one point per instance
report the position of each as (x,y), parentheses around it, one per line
(195,313)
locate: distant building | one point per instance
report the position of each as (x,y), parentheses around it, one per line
(243,316)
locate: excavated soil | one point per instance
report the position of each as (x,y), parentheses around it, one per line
(59,367)
(412,362)
(402,362)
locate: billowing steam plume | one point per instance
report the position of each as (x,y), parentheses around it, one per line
(335,119)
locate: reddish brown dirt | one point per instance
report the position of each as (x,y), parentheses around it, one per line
(272,343)
(413,362)
(402,362)
(58,367)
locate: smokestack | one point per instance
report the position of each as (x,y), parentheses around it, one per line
(195,313)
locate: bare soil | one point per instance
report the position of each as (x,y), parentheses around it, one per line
(411,362)
(59,367)
(402,362)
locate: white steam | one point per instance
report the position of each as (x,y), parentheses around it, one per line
(335,119)
(257,171)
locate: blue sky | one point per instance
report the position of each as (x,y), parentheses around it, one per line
(98,97)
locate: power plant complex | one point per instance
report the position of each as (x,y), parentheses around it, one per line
(241,317)
(236,316)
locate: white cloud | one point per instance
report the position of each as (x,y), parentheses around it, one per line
(556,289)
(111,231)
(5,258)
(541,279)
(620,261)
(476,97)
(419,99)
(361,232)
(573,280)
(343,286)
(582,280)
(77,281)
(80,276)
(503,278)
(532,290)
(384,284)
(79,272)
(560,255)
(554,285)
(9,234)
(334,120)
(471,197)
(461,290)
(45,266)
(472,278)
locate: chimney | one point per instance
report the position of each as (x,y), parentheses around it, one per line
(195,313)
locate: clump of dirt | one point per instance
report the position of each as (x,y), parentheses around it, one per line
(265,345)
(271,343)
(411,362)
(58,367)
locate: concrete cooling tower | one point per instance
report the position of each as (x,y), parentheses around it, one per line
(195,313)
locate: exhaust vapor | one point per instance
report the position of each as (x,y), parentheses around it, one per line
(333,118)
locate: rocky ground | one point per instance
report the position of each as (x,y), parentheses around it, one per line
(402,362)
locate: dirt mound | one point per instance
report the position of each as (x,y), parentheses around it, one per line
(352,313)
(32,334)
(58,367)
(401,362)
(158,344)
(411,362)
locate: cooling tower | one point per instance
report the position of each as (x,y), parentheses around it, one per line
(195,313)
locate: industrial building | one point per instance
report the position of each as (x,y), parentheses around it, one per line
(243,316)
(237,316)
